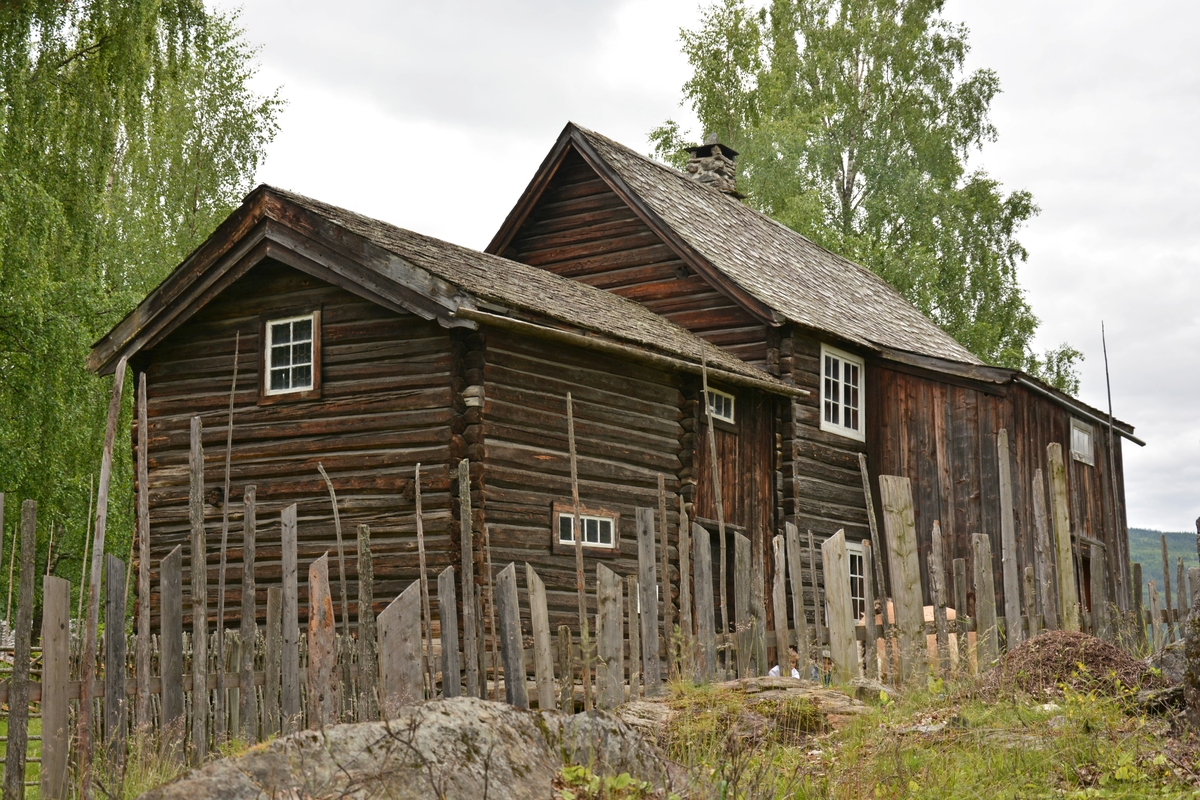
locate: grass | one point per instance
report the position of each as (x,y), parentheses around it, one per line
(945,743)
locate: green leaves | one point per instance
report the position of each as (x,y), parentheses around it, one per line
(855,121)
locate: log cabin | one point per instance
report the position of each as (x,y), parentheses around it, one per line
(369,349)
(883,380)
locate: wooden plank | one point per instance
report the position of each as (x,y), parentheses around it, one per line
(986,635)
(1031,615)
(665,566)
(467,564)
(543,658)
(610,640)
(635,639)
(758,604)
(1060,516)
(1008,544)
(448,616)
(647,585)
(18,686)
(170,647)
(1100,622)
(843,647)
(273,663)
(1139,614)
(686,623)
(779,606)
(796,581)
(900,527)
(491,601)
(566,672)
(143,539)
(114,661)
(92,621)
(876,543)
(56,664)
(512,650)
(426,612)
(401,680)
(368,664)
(937,591)
(1181,595)
(1168,606)
(706,665)
(1156,636)
(198,570)
(248,713)
(289,673)
(872,641)
(322,679)
(577,532)
(743,620)
(1044,555)
(222,696)
(818,628)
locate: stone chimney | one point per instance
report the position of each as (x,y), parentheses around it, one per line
(712,164)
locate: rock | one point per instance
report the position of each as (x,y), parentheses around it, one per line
(829,701)
(872,691)
(461,748)
(1171,661)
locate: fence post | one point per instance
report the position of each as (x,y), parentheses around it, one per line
(1008,545)
(843,647)
(290,654)
(871,651)
(685,590)
(114,661)
(273,663)
(635,640)
(543,658)
(512,650)
(1139,612)
(647,585)
(56,662)
(448,618)
(18,686)
(322,648)
(706,666)
(900,527)
(961,615)
(249,622)
(744,636)
(1031,603)
(937,591)
(610,641)
(985,602)
(1100,625)
(198,570)
(779,607)
(368,666)
(796,579)
(1061,517)
(400,665)
(1156,636)
(471,649)
(170,643)
(566,673)
(1044,554)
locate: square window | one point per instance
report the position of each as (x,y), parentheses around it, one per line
(600,530)
(842,393)
(1082,444)
(720,405)
(289,349)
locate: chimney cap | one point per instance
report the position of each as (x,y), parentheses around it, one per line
(710,141)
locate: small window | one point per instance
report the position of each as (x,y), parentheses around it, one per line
(290,354)
(601,529)
(858,584)
(842,393)
(720,405)
(1082,448)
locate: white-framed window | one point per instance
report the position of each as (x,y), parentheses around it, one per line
(858,584)
(601,529)
(1083,447)
(289,361)
(842,406)
(721,405)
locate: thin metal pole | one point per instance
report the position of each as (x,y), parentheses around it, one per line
(578,535)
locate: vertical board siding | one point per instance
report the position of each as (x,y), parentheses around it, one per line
(385,405)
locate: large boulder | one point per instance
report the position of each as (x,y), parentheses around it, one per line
(461,748)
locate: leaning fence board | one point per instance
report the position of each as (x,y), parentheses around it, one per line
(1061,518)
(843,648)
(198,570)
(635,639)
(448,618)
(290,655)
(648,586)
(900,528)
(742,618)
(56,635)
(114,661)
(249,623)
(610,641)
(322,650)
(543,658)
(706,665)
(937,591)
(512,650)
(18,699)
(170,645)
(796,581)
(368,665)
(1044,554)
(1008,543)
(400,652)
(872,631)
(1100,625)
(273,663)
(779,606)
(985,602)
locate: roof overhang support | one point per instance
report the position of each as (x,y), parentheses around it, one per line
(627,351)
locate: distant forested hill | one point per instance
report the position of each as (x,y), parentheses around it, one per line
(1145,547)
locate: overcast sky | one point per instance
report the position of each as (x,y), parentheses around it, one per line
(433,116)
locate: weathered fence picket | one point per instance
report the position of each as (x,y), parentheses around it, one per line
(986,634)
(322,648)
(143,541)
(742,619)
(471,636)
(648,586)
(635,639)
(1031,615)
(1139,614)
(779,605)
(1044,555)
(872,643)
(1100,622)
(566,671)
(368,664)
(448,617)
(610,644)
(1060,516)
(795,558)
(198,571)
(706,665)
(961,613)
(1156,635)
(56,664)
(512,651)
(249,622)
(400,665)
(114,662)
(289,674)
(843,648)
(900,528)
(1008,544)
(273,664)
(937,591)
(543,658)
(170,653)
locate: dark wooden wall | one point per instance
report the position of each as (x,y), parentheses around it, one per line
(385,405)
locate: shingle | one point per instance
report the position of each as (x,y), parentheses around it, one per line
(800,280)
